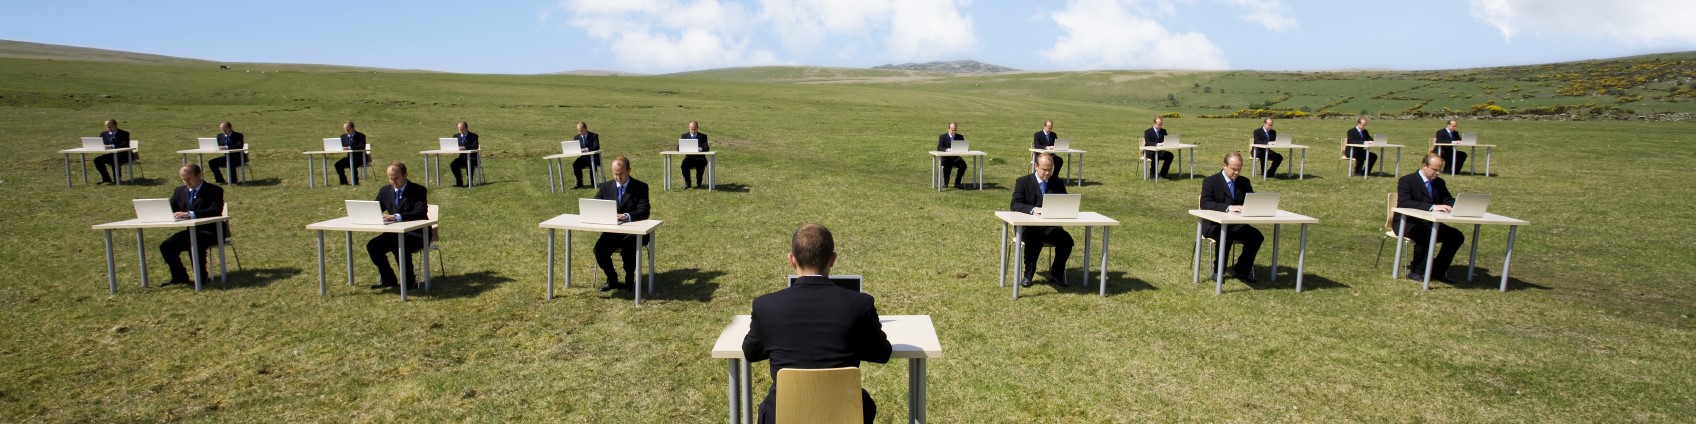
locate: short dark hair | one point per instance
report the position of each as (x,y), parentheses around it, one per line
(193,168)
(812,247)
(349,124)
(112,122)
(399,166)
(1426,161)
(1233,154)
(622,161)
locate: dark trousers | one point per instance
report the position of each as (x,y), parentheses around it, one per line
(1362,157)
(1035,238)
(626,246)
(109,163)
(458,166)
(958,165)
(1460,158)
(383,245)
(768,407)
(1165,158)
(1246,235)
(1273,159)
(173,248)
(351,161)
(220,162)
(1059,165)
(697,163)
(583,163)
(1449,239)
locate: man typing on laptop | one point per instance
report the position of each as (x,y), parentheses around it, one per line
(194,199)
(1224,192)
(632,198)
(401,201)
(1423,190)
(1028,194)
(696,163)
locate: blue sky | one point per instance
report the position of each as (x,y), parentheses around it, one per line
(661,36)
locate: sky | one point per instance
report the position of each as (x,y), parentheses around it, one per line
(665,36)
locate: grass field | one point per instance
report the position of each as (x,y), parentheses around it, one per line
(1598,325)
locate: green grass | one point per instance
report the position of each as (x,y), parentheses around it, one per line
(1598,327)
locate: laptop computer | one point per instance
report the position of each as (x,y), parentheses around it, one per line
(207,143)
(1170,140)
(332,144)
(1060,206)
(688,145)
(597,211)
(449,143)
(570,146)
(1468,138)
(154,210)
(850,281)
(1283,139)
(364,212)
(1470,205)
(1062,144)
(1260,204)
(959,146)
(93,143)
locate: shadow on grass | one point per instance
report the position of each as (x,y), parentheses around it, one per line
(1118,282)
(1287,280)
(1484,279)
(685,284)
(728,188)
(261,182)
(257,277)
(143,181)
(463,285)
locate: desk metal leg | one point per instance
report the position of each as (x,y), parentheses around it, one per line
(730,390)
(311,176)
(1513,231)
(324,168)
(568,259)
(652,243)
(1086,258)
(1301,257)
(321,288)
(194,255)
(1002,269)
(400,259)
(550,175)
(140,248)
(1430,254)
(1106,235)
(426,254)
(67,170)
(979,161)
(1303,174)
(916,390)
(1401,228)
(1274,277)
(712,172)
(934,163)
(111,267)
(1018,264)
(1398,162)
(1472,258)
(550,264)
(1195,263)
(1487,154)
(1219,263)
(1080,170)
(667,179)
(82,160)
(1192,164)
(348,237)
(747,391)
(638,276)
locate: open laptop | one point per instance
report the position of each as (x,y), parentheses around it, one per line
(332,144)
(1170,140)
(93,143)
(1060,206)
(597,211)
(1260,204)
(959,146)
(154,210)
(570,146)
(1468,138)
(1470,205)
(364,212)
(207,143)
(1062,144)
(850,281)
(1283,139)
(688,145)
(449,143)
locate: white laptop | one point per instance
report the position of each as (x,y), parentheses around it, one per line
(597,211)
(1468,138)
(1060,206)
(449,143)
(364,212)
(570,146)
(207,143)
(688,145)
(1470,205)
(1283,139)
(1260,204)
(333,144)
(1171,140)
(93,143)
(154,210)
(1062,144)
(848,281)
(959,146)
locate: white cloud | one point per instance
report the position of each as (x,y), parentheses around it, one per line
(1125,34)
(1647,22)
(668,35)
(1272,14)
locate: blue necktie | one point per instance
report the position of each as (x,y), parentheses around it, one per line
(620,194)
(1428,192)
(1231,189)
(191,194)
(1042,186)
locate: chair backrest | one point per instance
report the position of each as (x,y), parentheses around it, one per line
(433,213)
(1433,146)
(822,396)
(1390,212)
(1343,147)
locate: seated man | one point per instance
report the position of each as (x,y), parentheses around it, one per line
(1263,136)
(632,198)
(1224,192)
(1044,140)
(1424,190)
(1027,198)
(1362,157)
(467,141)
(1153,136)
(956,163)
(814,324)
(108,163)
(589,142)
(228,139)
(401,201)
(695,162)
(354,142)
(194,199)
(1450,134)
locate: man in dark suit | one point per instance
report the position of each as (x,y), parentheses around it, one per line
(1153,136)
(1265,135)
(401,201)
(228,139)
(695,162)
(1224,192)
(115,139)
(1027,198)
(194,199)
(1423,190)
(632,198)
(354,142)
(1359,135)
(814,324)
(1044,140)
(1450,134)
(467,141)
(958,164)
(589,142)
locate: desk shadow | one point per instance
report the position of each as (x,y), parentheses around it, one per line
(446,185)
(728,188)
(1287,280)
(257,277)
(1485,280)
(987,186)
(1178,177)
(684,284)
(144,181)
(462,285)
(1073,183)
(260,182)
(1118,282)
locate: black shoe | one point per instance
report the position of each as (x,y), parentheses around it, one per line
(1025,283)
(626,287)
(1247,277)
(1445,279)
(413,286)
(175,281)
(1415,276)
(958,186)
(381,286)
(609,286)
(1059,279)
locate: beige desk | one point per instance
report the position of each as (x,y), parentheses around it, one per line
(911,337)
(82,158)
(1175,147)
(569,222)
(474,169)
(1077,164)
(558,161)
(1013,220)
(323,157)
(1380,147)
(200,158)
(712,166)
(344,225)
(141,247)
(1289,149)
(1225,219)
(1473,152)
(939,179)
(1431,245)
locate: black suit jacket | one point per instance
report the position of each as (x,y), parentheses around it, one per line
(354,142)
(1217,196)
(414,202)
(1043,141)
(700,138)
(208,202)
(1443,136)
(944,142)
(590,141)
(1262,136)
(635,200)
(118,139)
(1358,136)
(1410,193)
(1150,137)
(232,141)
(815,324)
(1027,194)
(468,141)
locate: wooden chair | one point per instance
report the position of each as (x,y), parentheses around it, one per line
(1389,227)
(1254,159)
(229,242)
(1213,245)
(1344,151)
(1143,161)
(822,396)
(433,212)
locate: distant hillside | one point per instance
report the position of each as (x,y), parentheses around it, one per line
(952,67)
(598,73)
(810,75)
(28,50)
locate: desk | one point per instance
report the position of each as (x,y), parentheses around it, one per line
(1473,153)
(911,337)
(1225,219)
(1176,147)
(1380,148)
(558,161)
(939,179)
(141,247)
(569,222)
(474,169)
(82,158)
(1443,218)
(324,162)
(344,225)
(712,166)
(200,158)
(1076,164)
(1290,149)
(1085,219)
